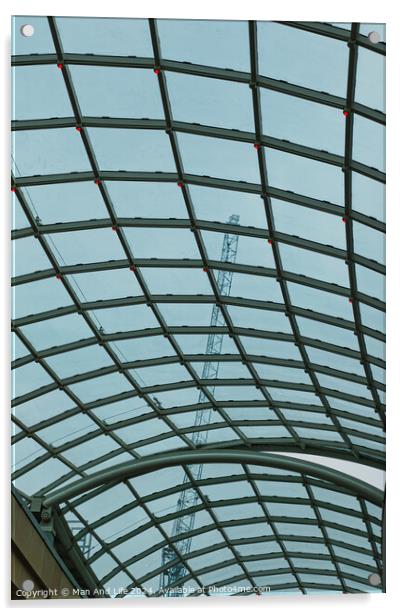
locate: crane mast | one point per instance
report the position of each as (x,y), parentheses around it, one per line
(170,577)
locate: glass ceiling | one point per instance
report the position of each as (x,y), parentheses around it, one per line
(198,232)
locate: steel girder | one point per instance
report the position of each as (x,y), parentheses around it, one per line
(200,70)
(310,475)
(206,131)
(148,464)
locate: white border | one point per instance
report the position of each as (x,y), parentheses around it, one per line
(309,10)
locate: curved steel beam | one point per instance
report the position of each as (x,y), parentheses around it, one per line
(206,131)
(148,464)
(175,223)
(188,178)
(237,268)
(188,68)
(241,302)
(341,34)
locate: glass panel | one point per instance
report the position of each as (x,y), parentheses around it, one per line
(162,243)
(65,202)
(214,43)
(370,78)
(369,242)
(369,142)
(305,176)
(219,205)
(39,296)
(132,150)
(40,152)
(82,360)
(219,158)
(212,102)
(128,318)
(40,43)
(320,301)
(300,121)
(250,250)
(25,252)
(108,284)
(260,319)
(370,282)
(117,92)
(310,224)
(314,265)
(55,332)
(175,281)
(147,199)
(87,246)
(368,196)
(115,37)
(339,362)
(329,333)
(101,387)
(39,92)
(303,58)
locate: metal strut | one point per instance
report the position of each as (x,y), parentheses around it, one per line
(169,578)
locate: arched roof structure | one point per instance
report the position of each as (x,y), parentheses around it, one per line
(134,142)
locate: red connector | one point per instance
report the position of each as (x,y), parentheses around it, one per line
(97,182)
(157,71)
(180,184)
(257,146)
(60,66)
(345,113)
(78,128)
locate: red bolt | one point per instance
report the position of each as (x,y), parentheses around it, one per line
(344,219)
(114,228)
(350,300)
(98,182)
(157,71)
(180,184)
(78,128)
(345,113)
(257,146)
(58,276)
(13,189)
(270,242)
(132,268)
(60,65)
(204,269)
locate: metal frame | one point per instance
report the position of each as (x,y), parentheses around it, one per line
(243,448)
(309,475)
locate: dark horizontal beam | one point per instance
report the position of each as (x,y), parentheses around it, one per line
(191,299)
(202,225)
(327,391)
(197,180)
(203,71)
(149,464)
(252,270)
(206,131)
(203,484)
(206,330)
(341,34)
